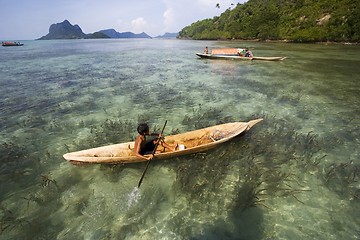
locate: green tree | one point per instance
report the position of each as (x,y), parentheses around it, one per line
(296,20)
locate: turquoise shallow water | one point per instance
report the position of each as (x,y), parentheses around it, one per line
(293,176)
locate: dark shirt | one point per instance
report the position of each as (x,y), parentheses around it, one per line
(148,146)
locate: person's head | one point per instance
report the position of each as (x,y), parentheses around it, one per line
(143,128)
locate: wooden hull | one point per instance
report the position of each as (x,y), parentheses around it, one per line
(194,141)
(269,58)
(236,57)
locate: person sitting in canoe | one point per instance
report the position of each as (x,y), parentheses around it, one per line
(145,142)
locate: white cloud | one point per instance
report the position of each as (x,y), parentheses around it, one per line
(178,14)
(169,18)
(139,25)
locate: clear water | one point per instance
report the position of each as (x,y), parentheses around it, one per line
(293,176)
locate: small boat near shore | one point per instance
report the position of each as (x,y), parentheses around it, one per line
(235,54)
(194,141)
(230,57)
(11,44)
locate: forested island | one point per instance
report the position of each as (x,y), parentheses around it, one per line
(288,20)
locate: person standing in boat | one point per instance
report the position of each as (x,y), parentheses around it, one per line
(206,50)
(145,142)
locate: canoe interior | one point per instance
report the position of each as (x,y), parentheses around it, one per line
(194,141)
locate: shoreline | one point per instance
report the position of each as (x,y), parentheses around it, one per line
(274,41)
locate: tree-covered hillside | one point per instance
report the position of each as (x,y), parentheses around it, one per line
(293,20)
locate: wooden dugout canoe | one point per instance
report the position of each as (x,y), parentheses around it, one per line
(194,141)
(236,57)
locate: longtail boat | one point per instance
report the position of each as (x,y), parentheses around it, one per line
(11,44)
(192,142)
(235,54)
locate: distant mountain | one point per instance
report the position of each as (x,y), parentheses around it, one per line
(168,35)
(96,35)
(114,34)
(110,33)
(64,30)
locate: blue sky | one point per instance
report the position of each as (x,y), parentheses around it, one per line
(31,19)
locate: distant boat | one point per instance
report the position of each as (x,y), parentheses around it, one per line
(11,44)
(236,54)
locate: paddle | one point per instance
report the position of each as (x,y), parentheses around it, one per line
(153,153)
